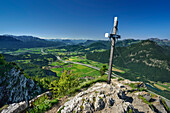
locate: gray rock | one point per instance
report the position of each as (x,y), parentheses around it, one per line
(107,101)
(158,105)
(72,104)
(122,94)
(17,87)
(127,106)
(99,104)
(111,101)
(15,108)
(160,108)
(141,85)
(147,97)
(87,107)
(77,110)
(103,96)
(140,105)
(111,88)
(86,99)
(101,92)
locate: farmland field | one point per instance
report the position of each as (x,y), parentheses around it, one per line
(82,59)
(80,70)
(163,86)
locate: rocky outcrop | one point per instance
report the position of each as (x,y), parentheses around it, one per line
(21,106)
(15,87)
(112,98)
(15,108)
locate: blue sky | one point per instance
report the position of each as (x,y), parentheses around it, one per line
(85,19)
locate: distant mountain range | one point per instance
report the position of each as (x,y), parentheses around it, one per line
(68,41)
(162,42)
(123,43)
(9,42)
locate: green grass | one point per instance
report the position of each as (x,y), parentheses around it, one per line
(120,79)
(130,111)
(57,63)
(165,86)
(3,107)
(88,84)
(82,59)
(54,101)
(150,104)
(42,104)
(98,50)
(164,103)
(134,86)
(24,50)
(76,69)
(145,101)
(86,61)
(23,61)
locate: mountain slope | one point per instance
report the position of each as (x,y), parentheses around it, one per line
(126,42)
(9,41)
(163,42)
(88,42)
(146,58)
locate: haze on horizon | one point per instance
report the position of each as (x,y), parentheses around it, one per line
(85,19)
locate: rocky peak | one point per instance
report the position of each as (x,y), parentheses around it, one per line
(117,97)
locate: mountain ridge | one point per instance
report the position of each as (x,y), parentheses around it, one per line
(9,42)
(141,56)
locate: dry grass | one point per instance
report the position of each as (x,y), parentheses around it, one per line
(117,70)
(159,87)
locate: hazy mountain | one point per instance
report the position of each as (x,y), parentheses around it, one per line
(102,44)
(126,42)
(9,41)
(68,41)
(99,45)
(27,38)
(88,42)
(72,47)
(162,42)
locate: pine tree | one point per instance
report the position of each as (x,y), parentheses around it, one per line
(103,70)
(67,81)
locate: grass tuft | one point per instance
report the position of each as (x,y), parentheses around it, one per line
(165,105)
(88,84)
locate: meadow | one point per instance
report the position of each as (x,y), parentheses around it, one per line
(82,59)
(162,86)
(80,70)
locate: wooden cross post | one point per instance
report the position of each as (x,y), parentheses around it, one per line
(112,37)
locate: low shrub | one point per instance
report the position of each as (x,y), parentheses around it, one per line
(120,79)
(42,104)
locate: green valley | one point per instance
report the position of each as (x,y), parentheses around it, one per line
(133,60)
